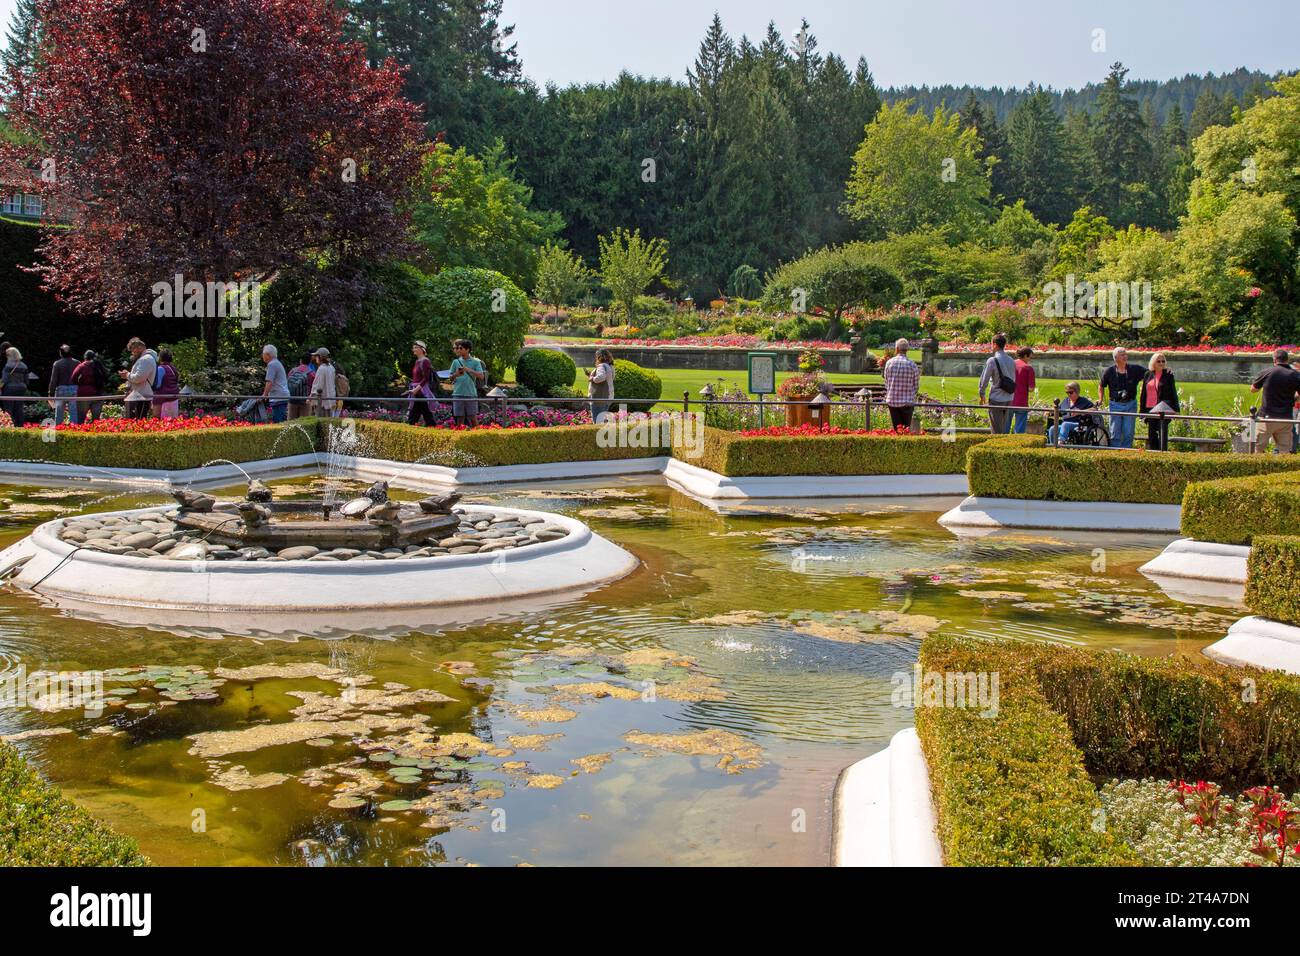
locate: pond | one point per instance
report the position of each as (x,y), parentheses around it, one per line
(696,712)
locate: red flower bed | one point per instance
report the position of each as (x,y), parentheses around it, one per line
(711,342)
(1104,350)
(800,431)
(132,426)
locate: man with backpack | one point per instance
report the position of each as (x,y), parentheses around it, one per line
(999,373)
(300,378)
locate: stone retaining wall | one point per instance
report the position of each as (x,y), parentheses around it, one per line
(839,361)
(1088,366)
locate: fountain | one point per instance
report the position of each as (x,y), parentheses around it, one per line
(266,555)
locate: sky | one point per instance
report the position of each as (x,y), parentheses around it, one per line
(914,42)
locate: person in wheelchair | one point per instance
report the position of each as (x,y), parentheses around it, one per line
(1077,428)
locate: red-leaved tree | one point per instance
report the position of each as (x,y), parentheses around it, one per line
(218,140)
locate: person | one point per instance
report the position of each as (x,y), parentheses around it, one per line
(1073,401)
(91,379)
(13,382)
(166,387)
(61,387)
(1158,387)
(902,378)
(421,388)
(139,380)
(1122,381)
(600,385)
(466,374)
(1026,382)
(300,379)
(1280,385)
(323,392)
(275,388)
(999,380)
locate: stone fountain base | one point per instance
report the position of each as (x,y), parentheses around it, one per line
(562,554)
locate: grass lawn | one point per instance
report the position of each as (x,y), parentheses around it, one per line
(1210,398)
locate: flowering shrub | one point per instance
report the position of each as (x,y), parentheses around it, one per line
(1190,824)
(6,421)
(134,426)
(797,431)
(810,360)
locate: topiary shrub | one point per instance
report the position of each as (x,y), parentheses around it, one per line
(545,370)
(480,305)
(637,387)
(1235,510)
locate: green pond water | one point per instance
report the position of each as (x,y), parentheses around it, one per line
(696,712)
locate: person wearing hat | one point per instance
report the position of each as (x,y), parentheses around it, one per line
(421,386)
(324,393)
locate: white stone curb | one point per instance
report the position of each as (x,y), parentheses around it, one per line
(1259,642)
(1201,561)
(704,483)
(883,812)
(978,512)
(579,561)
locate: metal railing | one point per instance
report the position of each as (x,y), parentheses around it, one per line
(825,407)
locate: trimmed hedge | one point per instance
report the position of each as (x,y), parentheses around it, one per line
(634,386)
(39,827)
(1273,578)
(1235,510)
(480,448)
(170,450)
(1014,789)
(545,370)
(1009,790)
(736,455)
(999,469)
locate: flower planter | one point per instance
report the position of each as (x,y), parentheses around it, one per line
(798,413)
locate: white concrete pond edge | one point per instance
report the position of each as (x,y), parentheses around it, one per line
(989,513)
(1259,642)
(1200,561)
(883,812)
(58,570)
(691,479)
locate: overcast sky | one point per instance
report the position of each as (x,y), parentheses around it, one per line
(982,42)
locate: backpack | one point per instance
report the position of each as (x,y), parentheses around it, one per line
(298,382)
(341,387)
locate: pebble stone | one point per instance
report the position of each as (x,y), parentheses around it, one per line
(156,536)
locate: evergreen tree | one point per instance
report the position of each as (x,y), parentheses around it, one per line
(1121,155)
(21,42)
(993,144)
(1211,110)
(1039,168)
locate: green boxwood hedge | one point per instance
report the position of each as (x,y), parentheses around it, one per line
(481,448)
(1235,510)
(736,455)
(39,827)
(999,469)
(1009,790)
(1273,578)
(173,451)
(1015,789)
(634,386)
(545,370)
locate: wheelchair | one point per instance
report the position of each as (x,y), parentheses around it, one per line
(1091,432)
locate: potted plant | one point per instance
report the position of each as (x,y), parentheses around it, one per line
(799,390)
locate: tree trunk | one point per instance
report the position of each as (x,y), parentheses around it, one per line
(211,339)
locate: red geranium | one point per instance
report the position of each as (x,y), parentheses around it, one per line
(807,431)
(132,426)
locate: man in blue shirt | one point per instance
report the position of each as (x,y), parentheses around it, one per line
(466,374)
